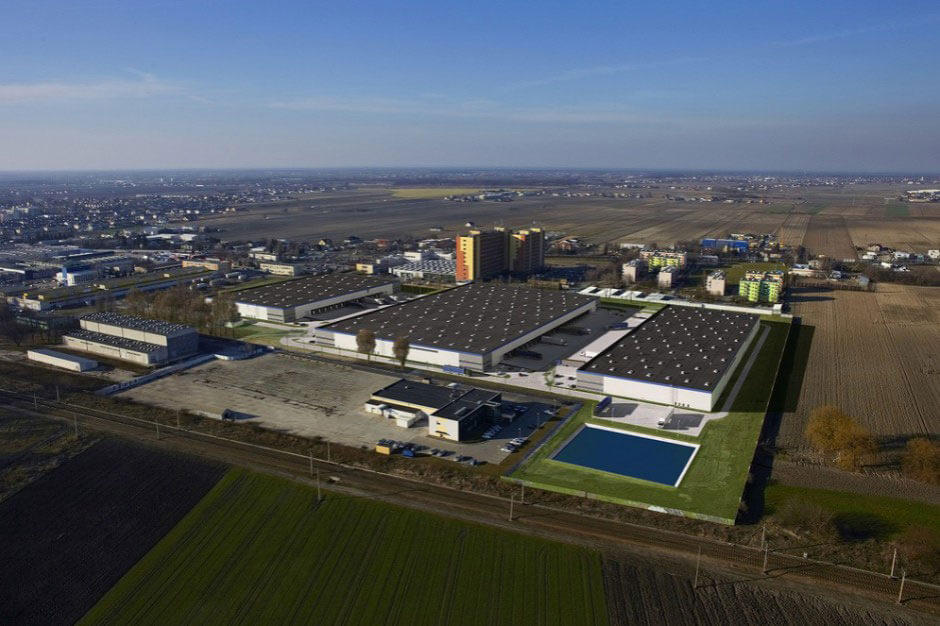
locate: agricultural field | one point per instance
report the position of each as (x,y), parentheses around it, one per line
(829,235)
(71,534)
(832,220)
(715,481)
(876,355)
(654,595)
(260,549)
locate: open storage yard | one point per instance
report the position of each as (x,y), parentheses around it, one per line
(875,355)
(259,549)
(70,535)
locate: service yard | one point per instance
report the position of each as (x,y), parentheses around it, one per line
(309,398)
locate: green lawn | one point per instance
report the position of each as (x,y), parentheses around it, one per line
(253,333)
(896,210)
(735,273)
(259,550)
(889,514)
(712,487)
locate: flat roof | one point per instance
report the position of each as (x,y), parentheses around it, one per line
(157,327)
(447,402)
(679,346)
(422,394)
(118,342)
(291,293)
(63,356)
(475,318)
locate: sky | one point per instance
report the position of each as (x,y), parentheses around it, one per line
(755,85)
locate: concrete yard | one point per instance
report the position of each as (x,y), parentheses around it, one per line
(307,398)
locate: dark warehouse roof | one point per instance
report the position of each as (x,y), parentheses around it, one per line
(474,318)
(300,291)
(679,346)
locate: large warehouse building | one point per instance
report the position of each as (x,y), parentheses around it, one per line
(681,356)
(130,338)
(292,300)
(471,327)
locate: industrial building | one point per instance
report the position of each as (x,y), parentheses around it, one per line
(470,327)
(484,254)
(760,286)
(292,300)
(60,359)
(681,356)
(716,283)
(452,412)
(130,338)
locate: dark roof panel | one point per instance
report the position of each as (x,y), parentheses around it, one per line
(679,346)
(300,291)
(475,318)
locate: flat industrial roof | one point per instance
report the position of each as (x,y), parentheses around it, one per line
(118,342)
(157,327)
(291,293)
(476,317)
(680,346)
(447,402)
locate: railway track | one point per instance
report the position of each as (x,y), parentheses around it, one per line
(753,564)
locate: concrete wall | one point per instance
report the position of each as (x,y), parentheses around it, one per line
(444,428)
(178,344)
(114,352)
(59,359)
(383,347)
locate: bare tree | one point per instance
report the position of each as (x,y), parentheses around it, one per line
(837,435)
(365,342)
(400,348)
(921,460)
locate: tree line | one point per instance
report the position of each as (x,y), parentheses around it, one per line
(851,446)
(183,306)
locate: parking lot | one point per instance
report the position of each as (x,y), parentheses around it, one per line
(311,398)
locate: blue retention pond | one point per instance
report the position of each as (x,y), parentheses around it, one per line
(628,454)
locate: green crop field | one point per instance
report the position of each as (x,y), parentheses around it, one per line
(258,549)
(712,487)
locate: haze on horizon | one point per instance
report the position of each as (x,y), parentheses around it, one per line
(105,84)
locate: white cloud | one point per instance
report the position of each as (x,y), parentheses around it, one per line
(145,86)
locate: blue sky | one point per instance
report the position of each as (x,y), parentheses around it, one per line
(848,86)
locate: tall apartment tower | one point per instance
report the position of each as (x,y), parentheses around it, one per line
(526,251)
(484,254)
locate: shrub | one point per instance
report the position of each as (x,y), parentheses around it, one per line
(921,460)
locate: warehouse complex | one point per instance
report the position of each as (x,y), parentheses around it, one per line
(292,300)
(471,327)
(452,412)
(681,356)
(135,339)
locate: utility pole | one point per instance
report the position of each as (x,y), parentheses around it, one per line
(512,498)
(766,553)
(698,563)
(57,399)
(328,458)
(763,535)
(894,561)
(522,500)
(35,402)
(319,497)
(157,424)
(75,422)
(178,419)
(901,590)
(310,455)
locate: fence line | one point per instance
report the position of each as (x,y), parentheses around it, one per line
(725,551)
